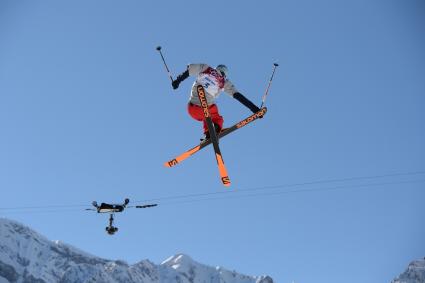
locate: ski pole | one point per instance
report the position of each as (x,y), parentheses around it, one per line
(270,82)
(165,64)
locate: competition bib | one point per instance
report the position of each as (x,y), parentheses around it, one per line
(211,80)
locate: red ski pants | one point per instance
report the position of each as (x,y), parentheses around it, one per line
(198,114)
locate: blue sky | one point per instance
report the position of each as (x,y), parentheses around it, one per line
(87,113)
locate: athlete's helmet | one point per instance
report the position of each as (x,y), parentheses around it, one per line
(222,69)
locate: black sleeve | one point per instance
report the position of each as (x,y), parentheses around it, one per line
(180,78)
(245,101)
(183,76)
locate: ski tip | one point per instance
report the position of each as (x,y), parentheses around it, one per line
(261,113)
(226,181)
(171,163)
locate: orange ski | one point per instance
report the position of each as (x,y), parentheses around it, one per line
(213,136)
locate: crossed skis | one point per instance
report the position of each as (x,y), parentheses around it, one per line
(214,138)
(223,133)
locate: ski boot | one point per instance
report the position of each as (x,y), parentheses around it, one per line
(207,134)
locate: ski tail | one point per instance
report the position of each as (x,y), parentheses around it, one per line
(182,157)
(222,169)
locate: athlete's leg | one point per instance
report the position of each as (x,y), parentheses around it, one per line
(216,117)
(197,113)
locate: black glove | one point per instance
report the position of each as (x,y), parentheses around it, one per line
(179,79)
(175,84)
(245,101)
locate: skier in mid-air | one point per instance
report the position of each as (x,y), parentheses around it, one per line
(214,82)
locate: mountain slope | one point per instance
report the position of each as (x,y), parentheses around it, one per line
(26,256)
(415,273)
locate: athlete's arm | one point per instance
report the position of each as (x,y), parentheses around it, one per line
(230,88)
(245,101)
(191,70)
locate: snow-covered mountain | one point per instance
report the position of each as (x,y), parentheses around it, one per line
(26,256)
(415,273)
